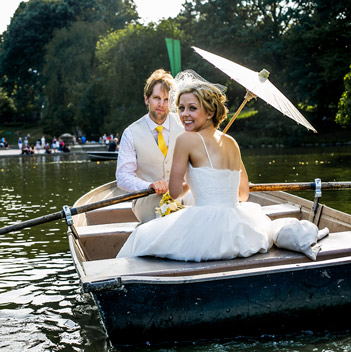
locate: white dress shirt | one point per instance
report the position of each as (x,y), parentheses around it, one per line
(127,159)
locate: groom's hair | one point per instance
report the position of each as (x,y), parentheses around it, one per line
(158,76)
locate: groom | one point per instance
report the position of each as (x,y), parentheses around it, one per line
(147,145)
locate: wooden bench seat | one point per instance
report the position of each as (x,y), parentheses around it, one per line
(104,241)
(121,212)
(334,245)
(276,211)
(106,229)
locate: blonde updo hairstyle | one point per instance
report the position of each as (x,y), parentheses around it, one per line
(210,98)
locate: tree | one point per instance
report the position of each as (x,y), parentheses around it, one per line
(343,117)
(74,100)
(126,58)
(33,27)
(318,51)
(305,44)
(7,107)
(68,72)
(251,33)
(23,51)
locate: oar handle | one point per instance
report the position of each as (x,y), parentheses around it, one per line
(111,201)
(74,211)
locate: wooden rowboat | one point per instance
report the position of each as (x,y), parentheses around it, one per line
(153,300)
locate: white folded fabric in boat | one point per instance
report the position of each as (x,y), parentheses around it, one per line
(297,235)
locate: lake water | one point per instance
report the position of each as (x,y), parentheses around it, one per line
(42,307)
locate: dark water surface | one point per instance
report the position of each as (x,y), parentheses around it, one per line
(42,307)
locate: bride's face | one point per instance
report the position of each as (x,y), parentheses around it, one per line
(192,115)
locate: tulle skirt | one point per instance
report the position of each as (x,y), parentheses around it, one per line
(200,233)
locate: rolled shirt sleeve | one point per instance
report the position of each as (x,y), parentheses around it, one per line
(126,177)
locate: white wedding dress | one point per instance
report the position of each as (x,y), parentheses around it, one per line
(216,227)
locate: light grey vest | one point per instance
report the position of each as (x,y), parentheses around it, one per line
(152,165)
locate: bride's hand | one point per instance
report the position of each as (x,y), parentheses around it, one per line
(160,187)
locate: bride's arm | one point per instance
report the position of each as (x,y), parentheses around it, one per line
(177,185)
(244,189)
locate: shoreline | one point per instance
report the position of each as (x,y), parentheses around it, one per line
(74,149)
(82,149)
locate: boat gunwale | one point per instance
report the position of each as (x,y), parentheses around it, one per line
(224,275)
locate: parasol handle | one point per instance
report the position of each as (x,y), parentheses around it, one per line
(248,96)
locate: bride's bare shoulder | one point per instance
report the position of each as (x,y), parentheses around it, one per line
(187,137)
(229,141)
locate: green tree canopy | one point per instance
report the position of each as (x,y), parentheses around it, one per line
(343,117)
(32,28)
(69,72)
(126,59)
(83,63)
(7,107)
(23,51)
(318,52)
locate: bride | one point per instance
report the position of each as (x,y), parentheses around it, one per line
(221,224)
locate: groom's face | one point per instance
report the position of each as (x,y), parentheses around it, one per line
(158,104)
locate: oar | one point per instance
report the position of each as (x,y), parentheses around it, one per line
(135,195)
(74,211)
(298,186)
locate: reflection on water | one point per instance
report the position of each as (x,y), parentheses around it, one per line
(42,307)
(304,165)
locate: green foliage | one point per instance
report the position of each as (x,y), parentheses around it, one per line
(82,64)
(32,28)
(23,51)
(7,107)
(343,117)
(69,72)
(318,51)
(125,68)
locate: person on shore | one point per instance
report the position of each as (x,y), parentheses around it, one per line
(112,147)
(43,144)
(25,150)
(147,145)
(221,224)
(3,143)
(38,146)
(47,148)
(20,143)
(28,150)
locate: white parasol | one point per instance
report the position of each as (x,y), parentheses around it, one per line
(257,85)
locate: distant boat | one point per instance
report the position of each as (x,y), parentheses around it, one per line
(101,156)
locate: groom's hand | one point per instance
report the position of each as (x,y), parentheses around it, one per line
(160,187)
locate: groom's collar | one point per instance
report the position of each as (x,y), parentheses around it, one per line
(152,125)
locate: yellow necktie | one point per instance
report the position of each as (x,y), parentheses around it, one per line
(161,141)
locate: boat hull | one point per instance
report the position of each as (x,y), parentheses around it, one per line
(153,312)
(101,156)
